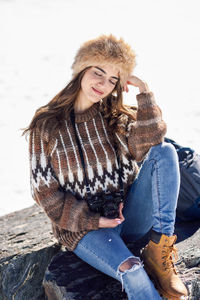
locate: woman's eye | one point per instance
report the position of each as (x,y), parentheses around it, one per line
(97,74)
(114,83)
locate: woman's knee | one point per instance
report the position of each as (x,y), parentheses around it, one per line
(164,149)
(129,263)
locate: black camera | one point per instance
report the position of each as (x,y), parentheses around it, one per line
(106,204)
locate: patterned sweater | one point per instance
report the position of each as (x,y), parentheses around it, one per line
(57,177)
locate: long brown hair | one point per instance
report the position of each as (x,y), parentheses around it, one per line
(59,108)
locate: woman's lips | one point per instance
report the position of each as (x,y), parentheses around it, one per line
(96,91)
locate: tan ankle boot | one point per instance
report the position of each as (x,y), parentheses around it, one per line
(158,263)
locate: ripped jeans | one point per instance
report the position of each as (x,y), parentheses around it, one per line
(150,203)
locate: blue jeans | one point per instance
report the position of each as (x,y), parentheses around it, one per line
(150,203)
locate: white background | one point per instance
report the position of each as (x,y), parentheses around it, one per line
(38,41)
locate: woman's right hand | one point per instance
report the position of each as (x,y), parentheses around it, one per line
(112,223)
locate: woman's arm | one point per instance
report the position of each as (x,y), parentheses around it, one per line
(62,208)
(149,128)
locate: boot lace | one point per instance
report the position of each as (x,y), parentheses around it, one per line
(168,254)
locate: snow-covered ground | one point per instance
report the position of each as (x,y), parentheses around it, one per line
(38,40)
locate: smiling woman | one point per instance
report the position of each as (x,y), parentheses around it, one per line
(97,83)
(84,146)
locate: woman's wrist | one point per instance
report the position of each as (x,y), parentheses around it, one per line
(144,88)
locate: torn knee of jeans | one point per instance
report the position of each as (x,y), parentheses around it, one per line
(130,264)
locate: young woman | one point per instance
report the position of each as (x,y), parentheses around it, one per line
(84,148)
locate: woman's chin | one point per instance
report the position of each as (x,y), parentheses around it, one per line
(95,99)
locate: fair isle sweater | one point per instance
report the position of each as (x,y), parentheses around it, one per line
(57,178)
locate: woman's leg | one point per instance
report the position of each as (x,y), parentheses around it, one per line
(152,198)
(105,250)
(151,203)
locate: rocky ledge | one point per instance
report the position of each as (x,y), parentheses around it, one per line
(30,259)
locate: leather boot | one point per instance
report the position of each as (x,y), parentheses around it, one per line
(158,263)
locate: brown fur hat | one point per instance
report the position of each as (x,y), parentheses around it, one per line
(105,50)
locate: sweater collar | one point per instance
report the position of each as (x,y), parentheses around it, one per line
(88,114)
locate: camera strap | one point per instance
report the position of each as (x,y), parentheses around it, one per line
(72,118)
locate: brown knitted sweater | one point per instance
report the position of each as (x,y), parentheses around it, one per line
(57,178)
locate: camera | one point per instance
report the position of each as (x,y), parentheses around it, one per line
(105,204)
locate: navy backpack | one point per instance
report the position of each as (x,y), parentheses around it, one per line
(188,207)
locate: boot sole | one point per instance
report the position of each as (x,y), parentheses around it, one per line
(158,286)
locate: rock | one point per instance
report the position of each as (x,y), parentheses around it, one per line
(70,278)
(28,248)
(62,282)
(189,256)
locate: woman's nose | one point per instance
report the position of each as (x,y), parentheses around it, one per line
(102,81)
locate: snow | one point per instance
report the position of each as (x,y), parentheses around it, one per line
(38,41)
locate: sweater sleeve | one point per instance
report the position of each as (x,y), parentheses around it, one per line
(61,207)
(148,129)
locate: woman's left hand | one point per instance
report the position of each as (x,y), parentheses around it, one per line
(137,82)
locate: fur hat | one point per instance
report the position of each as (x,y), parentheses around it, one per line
(105,50)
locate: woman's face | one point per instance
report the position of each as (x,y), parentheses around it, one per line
(98,82)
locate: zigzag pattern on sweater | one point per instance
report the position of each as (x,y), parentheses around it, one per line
(43,174)
(101,177)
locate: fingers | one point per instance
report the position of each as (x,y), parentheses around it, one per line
(110,223)
(121,205)
(125,88)
(135,81)
(133,78)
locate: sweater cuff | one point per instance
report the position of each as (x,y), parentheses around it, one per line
(145,99)
(94,222)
